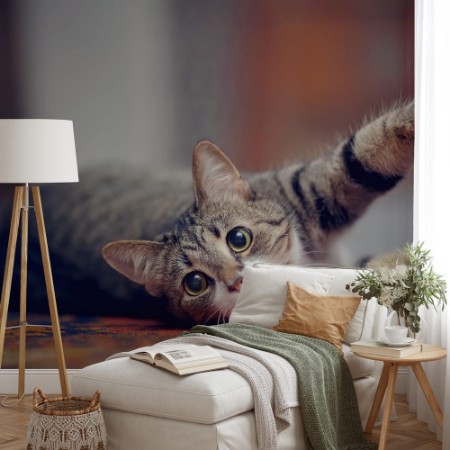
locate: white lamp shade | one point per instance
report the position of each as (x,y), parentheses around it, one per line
(37,151)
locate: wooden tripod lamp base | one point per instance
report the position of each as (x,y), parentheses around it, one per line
(33,151)
(20,213)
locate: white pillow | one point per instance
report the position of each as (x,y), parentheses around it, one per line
(263,295)
(361,325)
(264,289)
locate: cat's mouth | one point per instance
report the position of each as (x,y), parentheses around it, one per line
(236,285)
(227,298)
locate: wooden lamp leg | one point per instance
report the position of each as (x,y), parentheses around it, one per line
(21,199)
(23,291)
(9,266)
(50,291)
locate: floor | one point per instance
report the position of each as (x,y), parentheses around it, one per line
(407,433)
(86,340)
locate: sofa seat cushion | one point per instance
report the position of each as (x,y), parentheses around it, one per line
(206,398)
(135,387)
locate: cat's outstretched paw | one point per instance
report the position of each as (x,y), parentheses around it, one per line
(403,125)
(387,144)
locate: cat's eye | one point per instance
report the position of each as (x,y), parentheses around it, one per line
(195,283)
(239,239)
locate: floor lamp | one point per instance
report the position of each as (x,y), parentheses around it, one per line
(33,152)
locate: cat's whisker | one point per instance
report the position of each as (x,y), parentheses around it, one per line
(317,252)
(209,318)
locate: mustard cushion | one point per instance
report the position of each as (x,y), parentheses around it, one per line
(323,317)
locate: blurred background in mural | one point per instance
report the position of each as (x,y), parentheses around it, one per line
(143,81)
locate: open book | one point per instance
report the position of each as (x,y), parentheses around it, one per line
(182,359)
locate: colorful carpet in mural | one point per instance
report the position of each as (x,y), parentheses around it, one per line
(86,340)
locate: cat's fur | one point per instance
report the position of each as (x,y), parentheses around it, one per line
(292,215)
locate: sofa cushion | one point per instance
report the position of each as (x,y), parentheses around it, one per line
(324,317)
(133,386)
(362,322)
(263,294)
(208,397)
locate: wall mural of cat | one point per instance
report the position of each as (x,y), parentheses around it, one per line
(292,215)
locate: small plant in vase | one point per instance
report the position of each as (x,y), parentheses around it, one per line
(403,285)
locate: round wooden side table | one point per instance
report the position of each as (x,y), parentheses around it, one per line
(387,385)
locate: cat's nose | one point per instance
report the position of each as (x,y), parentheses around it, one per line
(236,286)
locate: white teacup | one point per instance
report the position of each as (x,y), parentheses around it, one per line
(396,333)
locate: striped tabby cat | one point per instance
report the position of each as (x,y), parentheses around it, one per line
(290,215)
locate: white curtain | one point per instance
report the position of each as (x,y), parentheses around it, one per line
(432,187)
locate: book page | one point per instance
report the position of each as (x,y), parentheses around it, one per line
(189,354)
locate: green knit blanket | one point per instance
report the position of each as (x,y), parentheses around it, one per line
(326,393)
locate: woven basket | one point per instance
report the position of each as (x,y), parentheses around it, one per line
(66,423)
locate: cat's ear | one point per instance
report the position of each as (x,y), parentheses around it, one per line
(214,175)
(138,261)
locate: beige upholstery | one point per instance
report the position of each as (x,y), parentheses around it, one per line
(149,408)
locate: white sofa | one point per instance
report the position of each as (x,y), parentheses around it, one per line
(149,408)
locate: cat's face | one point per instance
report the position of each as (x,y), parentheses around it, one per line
(198,266)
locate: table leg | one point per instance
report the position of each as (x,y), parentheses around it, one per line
(393,370)
(378,398)
(429,395)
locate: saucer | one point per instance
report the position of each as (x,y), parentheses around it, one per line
(404,343)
